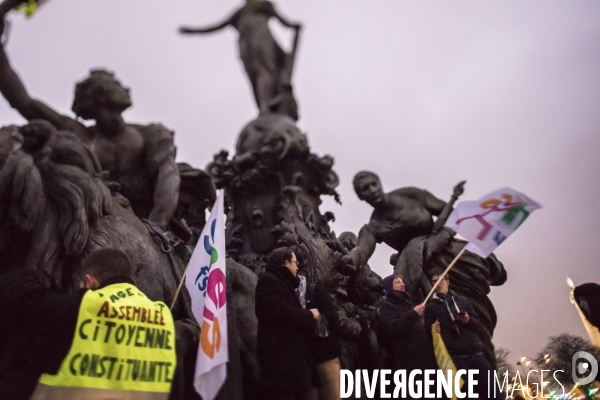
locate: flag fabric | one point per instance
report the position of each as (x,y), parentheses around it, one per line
(487,222)
(443,358)
(591,330)
(205,281)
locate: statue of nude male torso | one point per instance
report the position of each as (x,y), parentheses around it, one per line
(404,218)
(124,156)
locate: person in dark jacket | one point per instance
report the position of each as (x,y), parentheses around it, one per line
(405,337)
(458,323)
(588,299)
(36,331)
(284,328)
(37,326)
(324,345)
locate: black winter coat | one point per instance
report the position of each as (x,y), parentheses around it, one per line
(324,348)
(36,331)
(404,334)
(283,331)
(460,339)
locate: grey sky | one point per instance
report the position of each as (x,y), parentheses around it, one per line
(425,93)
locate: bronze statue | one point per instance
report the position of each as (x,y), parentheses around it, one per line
(140,158)
(397,217)
(267,65)
(56,207)
(273,186)
(403,219)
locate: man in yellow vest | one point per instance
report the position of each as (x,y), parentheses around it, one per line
(122,344)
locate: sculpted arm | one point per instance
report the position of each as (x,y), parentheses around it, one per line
(166,193)
(365,247)
(285,21)
(434,205)
(8,5)
(14,91)
(161,160)
(208,29)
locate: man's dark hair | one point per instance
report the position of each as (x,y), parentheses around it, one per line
(398,276)
(280,255)
(104,264)
(437,271)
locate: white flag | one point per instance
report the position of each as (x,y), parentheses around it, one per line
(205,281)
(487,222)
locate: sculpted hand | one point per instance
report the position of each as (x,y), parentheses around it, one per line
(185,29)
(315,313)
(436,243)
(158,224)
(459,189)
(350,260)
(420,309)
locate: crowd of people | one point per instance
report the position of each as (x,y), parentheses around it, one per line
(298,332)
(298,348)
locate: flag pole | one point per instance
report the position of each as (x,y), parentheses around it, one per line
(444,274)
(177,292)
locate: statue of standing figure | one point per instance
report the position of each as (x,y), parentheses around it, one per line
(267,65)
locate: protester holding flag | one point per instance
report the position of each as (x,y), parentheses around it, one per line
(403,220)
(284,328)
(403,330)
(458,326)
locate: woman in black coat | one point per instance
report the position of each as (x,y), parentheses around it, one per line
(284,328)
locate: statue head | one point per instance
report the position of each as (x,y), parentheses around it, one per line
(368,188)
(98,91)
(365,287)
(348,240)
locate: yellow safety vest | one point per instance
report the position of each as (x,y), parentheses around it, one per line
(123,348)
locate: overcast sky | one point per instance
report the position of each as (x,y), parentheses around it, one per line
(425,93)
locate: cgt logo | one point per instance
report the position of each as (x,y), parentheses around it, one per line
(581,367)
